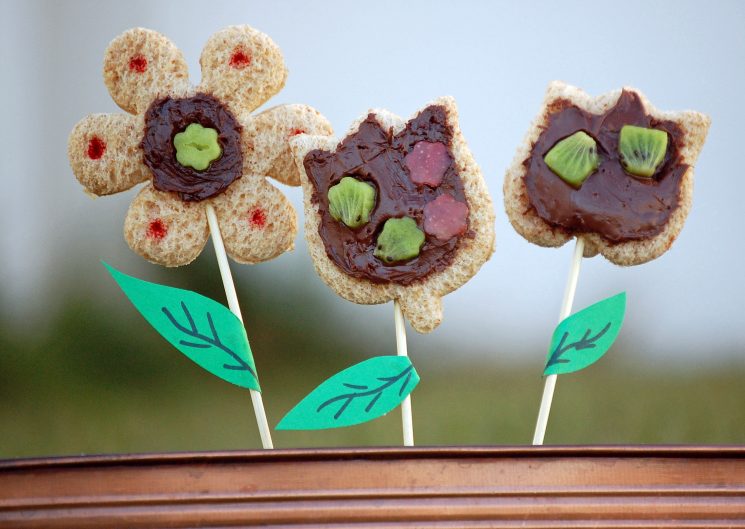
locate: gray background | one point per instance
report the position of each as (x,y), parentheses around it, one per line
(685,308)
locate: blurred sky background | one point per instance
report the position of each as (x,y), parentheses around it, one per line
(685,309)
(343,58)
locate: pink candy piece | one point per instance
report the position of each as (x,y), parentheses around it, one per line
(445,217)
(427,163)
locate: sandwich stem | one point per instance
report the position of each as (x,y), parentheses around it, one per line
(566,308)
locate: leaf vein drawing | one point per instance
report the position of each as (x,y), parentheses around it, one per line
(195,345)
(586,342)
(372,402)
(214,341)
(581,339)
(354,386)
(404,385)
(357,394)
(205,331)
(189,318)
(377,392)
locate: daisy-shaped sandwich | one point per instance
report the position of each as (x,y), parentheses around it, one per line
(196,146)
(398,210)
(612,170)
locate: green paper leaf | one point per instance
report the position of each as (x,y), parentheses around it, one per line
(582,338)
(201,328)
(358,394)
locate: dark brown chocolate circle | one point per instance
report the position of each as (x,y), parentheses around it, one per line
(167,117)
(375,155)
(611,202)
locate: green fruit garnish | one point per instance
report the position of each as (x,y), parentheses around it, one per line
(642,150)
(197,147)
(400,239)
(574,158)
(351,201)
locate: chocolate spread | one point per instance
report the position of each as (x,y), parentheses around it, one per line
(611,202)
(376,156)
(167,117)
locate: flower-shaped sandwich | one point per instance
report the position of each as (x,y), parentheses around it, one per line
(610,169)
(196,146)
(397,211)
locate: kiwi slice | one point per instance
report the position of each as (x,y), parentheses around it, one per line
(642,150)
(401,239)
(574,158)
(351,201)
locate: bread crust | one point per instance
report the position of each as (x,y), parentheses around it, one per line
(421,302)
(242,68)
(526,221)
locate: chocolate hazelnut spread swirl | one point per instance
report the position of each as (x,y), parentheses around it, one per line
(375,155)
(611,202)
(167,117)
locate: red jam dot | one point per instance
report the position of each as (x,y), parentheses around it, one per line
(295,132)
(445,217)
(96,148)
(257,218)
(427,163)
(138,64)
(239,59)
(157,229)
